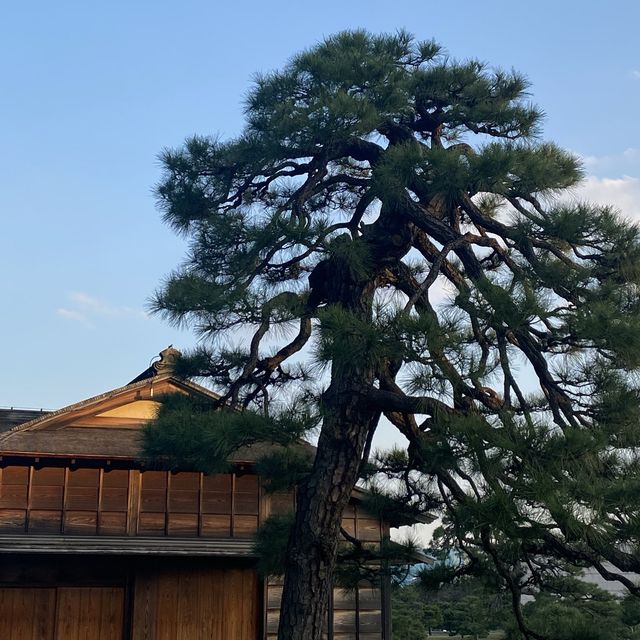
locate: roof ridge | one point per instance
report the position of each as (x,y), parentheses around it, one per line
(31,409)
(26,426)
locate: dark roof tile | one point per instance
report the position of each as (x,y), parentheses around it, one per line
(10,418)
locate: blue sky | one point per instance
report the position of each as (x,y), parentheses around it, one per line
(91,92)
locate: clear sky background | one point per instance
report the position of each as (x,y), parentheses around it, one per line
(90,92)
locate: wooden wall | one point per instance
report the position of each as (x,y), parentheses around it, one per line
(54,598)
(68,501)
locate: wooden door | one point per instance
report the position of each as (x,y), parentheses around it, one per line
(61,613)
(196,604)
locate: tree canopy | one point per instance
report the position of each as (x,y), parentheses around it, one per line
(390,237)
(569,609)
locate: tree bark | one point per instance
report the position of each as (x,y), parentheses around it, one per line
(321,499)
(347,420)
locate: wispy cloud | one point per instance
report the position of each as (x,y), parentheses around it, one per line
(75,316)
(635,73)
(621,193)
(85,309)
(626,162)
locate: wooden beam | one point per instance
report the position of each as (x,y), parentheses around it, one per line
(143,546)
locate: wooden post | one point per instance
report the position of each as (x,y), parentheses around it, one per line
(133,504)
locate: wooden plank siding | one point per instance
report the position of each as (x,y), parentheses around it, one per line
(89,501)
(61,613)
(89,613)
(45,502)
(134,599)
(196,604)
(27,614)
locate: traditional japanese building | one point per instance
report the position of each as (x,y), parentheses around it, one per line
(95,545)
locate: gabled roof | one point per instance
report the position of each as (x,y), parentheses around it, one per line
(106,425)
(144,390)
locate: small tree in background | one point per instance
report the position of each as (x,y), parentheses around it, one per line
(385,239)
(631,614)
(413,616)
(471,605)
(574,610)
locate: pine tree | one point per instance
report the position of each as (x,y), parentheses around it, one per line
(389,237)
(574,610)
(413,617)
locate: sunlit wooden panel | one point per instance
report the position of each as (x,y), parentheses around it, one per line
(245,526)
(142,409)
(216,526)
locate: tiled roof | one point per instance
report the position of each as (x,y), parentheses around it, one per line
(98,442)
(10,418)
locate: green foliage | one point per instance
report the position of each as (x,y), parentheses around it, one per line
(468,617)
(466,608)
(189,434)
(392,215)
(413,617)
(271,544)
(283,469)
(630,613)
(584,613)
(568,609)
(393,508)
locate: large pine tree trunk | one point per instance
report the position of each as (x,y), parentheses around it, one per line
(321,501)
(347,420)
